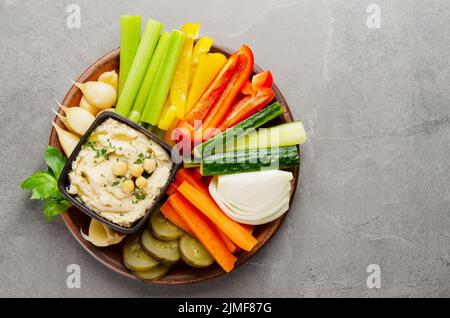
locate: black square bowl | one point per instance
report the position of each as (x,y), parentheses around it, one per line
(64,181)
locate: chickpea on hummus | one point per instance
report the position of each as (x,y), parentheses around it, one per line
(119,172)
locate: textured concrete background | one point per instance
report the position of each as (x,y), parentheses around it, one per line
(375,179)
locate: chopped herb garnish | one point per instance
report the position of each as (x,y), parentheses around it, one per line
(142,157)
(139,195)
(102,153)
(91,144)
(115,183)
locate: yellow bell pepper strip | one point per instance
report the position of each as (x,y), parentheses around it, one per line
(208,66)
(179,86)
(201,47)
(168,117)
(165,119)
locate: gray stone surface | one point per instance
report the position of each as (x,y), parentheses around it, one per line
(375,182)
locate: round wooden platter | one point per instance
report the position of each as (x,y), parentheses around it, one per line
(111,256)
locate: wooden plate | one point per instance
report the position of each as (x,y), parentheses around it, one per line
(111,256)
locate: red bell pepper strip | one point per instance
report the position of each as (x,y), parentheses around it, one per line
(225,102)
(196,173)
(263,79)
(206,180)
(247,89)
(171,189)
(247,107)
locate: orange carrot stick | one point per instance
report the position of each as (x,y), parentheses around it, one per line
(169,212)
(230,245)
(206,204)
(248,227)
(187,176)
(204,231)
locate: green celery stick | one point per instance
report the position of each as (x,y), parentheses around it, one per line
(141,61)
(134,116)
(148,81)
(130,35)
(163,78)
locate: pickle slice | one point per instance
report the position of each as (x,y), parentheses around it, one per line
(194,253)
(134,256)
(163,251)
(154,273)
(163,229)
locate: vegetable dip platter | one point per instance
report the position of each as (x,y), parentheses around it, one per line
(171,160)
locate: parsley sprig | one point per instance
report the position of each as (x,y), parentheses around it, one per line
(139,195)
(91,144)
(102,153)
(43,184)
(141,157)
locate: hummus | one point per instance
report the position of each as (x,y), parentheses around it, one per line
(95,181)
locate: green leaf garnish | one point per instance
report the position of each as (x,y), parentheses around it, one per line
(54,207)
(44,185)
(54,160)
